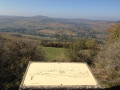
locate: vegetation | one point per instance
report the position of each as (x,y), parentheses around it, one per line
(107,61)
(55,54)
(14,57)
(76,52)
(114,32)
(55,44)
(107,65)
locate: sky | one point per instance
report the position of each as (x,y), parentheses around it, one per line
(82,9)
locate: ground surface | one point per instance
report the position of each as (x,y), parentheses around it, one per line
(55,54)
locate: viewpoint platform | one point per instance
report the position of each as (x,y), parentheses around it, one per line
(58,76)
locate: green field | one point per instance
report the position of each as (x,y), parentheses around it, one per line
(55,54)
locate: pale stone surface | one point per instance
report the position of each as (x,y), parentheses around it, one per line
(40,73)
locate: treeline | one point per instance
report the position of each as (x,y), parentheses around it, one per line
(56,44)
(81,43)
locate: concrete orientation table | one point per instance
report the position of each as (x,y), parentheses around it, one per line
(58,76)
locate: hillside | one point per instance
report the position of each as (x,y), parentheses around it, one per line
(47,26)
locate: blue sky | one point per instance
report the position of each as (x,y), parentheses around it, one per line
(85,9)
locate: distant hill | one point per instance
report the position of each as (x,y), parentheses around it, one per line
(42,25)
(118,21)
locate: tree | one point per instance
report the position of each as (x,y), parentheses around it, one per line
(114,32)
(79,44)
(92,44)
(76,52)
(14,57)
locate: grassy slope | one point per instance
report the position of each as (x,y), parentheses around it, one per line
(55,54)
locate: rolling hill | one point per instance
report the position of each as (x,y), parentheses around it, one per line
(47,26)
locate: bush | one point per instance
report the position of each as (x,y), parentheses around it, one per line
(107,64)
(114,32)
(78,53)
(14,57)
(92,44)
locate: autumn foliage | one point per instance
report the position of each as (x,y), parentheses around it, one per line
(113,32)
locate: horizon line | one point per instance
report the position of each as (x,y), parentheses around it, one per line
(58,17)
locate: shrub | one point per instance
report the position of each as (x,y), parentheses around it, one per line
(78,53)
(14,57)
(107,64)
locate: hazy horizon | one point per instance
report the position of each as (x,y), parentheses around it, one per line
(59,17)
(76,9)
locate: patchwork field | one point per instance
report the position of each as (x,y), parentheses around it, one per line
(60,32)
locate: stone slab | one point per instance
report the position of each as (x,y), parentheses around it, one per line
(54,75)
